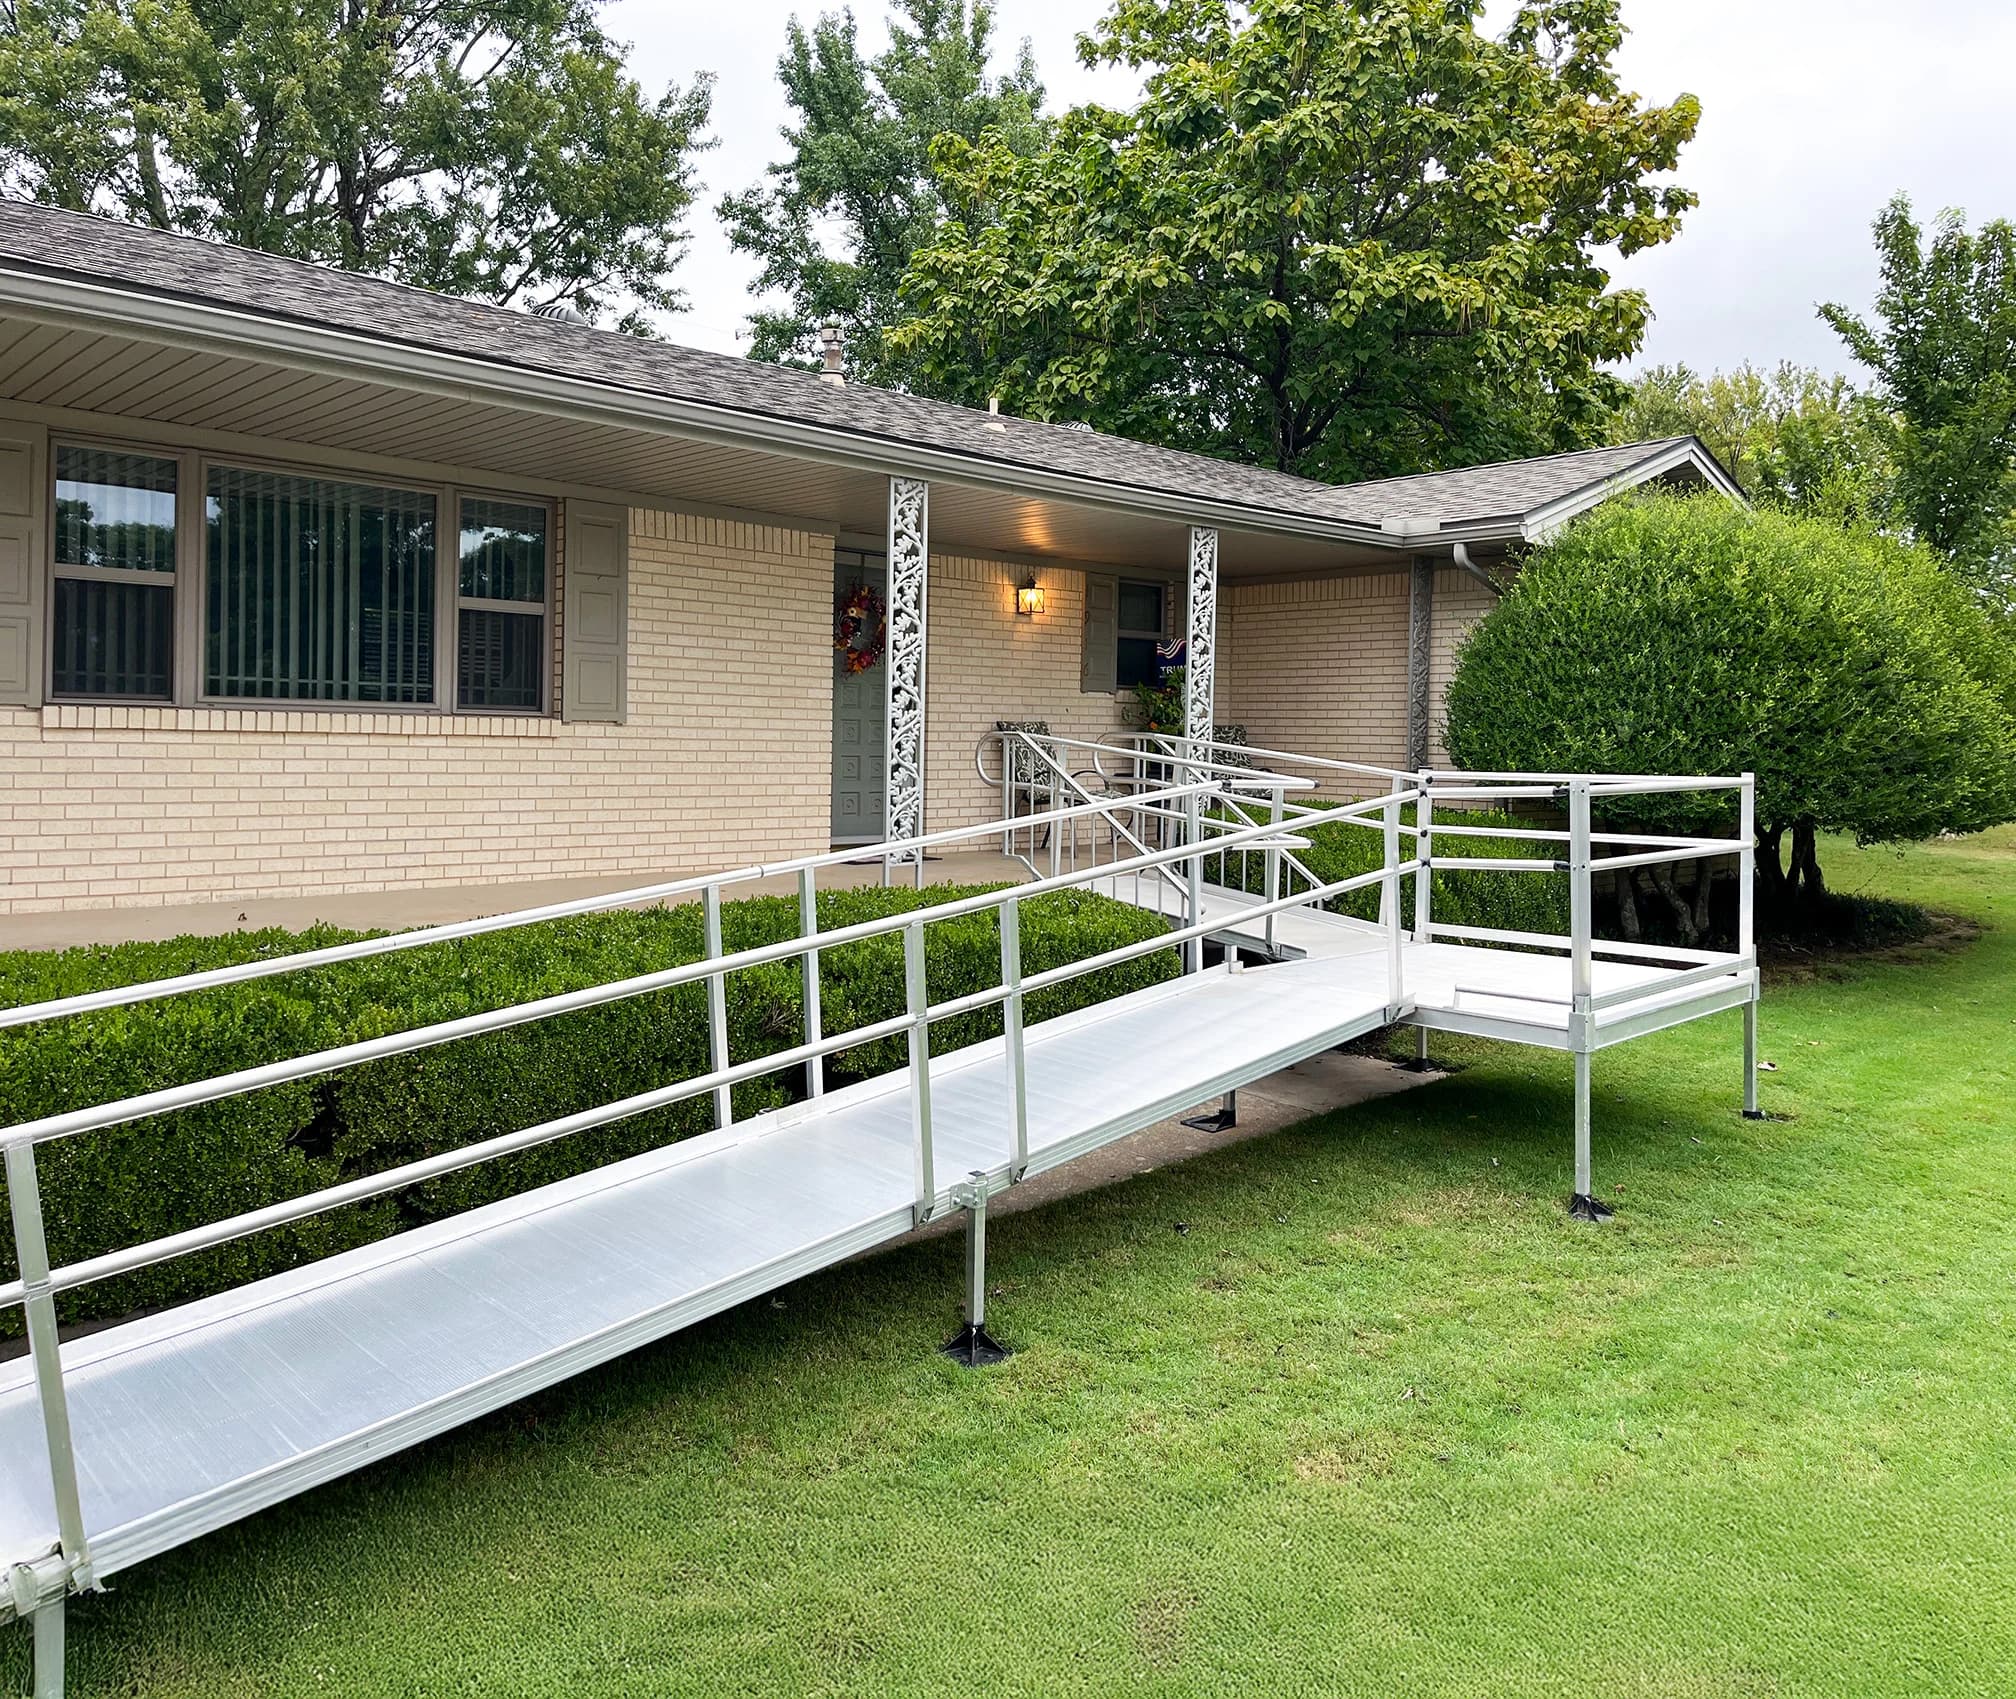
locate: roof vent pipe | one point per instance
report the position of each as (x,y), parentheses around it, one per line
(833,354)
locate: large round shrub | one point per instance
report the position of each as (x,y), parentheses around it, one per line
(1672,634)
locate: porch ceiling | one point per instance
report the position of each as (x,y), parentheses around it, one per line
(101,380)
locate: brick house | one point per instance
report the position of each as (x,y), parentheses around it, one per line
(240,655)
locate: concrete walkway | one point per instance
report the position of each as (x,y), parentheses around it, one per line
(398,911)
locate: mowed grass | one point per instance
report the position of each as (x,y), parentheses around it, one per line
(1352,1410)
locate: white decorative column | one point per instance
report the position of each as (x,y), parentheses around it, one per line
(1200,639)
(903,662)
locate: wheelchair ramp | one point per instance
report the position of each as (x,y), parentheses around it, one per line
(191,1419)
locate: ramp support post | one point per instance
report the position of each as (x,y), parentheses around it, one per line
(1219,1120)
(973,1347)
(1422,1062)
(1582,1205)
(29,1584)
(1750,1110)
(49,1649)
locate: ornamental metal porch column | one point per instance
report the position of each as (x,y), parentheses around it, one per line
(1420,659)
(1199,670)
(903,662)
(1201,640)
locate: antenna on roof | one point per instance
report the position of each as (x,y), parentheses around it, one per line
(832,353)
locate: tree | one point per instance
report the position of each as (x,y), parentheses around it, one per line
(1866,690)
(1943,348)
(859,172)
(1795,439)
(1345,238)
(487,149)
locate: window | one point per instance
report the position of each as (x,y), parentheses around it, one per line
(1140,625)
(501,606)
(113,617)
(317,591)
(286,587)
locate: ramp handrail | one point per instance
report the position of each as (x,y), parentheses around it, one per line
(25,1135)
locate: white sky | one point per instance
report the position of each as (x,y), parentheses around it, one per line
(1814,113)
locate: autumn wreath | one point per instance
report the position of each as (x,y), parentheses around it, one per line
(859,629)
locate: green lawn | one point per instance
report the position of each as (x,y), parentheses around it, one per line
(1354,1410)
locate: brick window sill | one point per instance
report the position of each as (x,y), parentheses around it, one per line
(292,722)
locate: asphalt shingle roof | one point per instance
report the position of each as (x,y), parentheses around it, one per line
(54,242)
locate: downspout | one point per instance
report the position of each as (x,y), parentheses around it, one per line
(1462,554)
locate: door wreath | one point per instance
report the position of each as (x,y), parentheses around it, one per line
(860,628)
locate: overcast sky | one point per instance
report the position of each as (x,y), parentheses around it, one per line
(1813,113)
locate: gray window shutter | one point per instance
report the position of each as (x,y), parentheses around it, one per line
(1098,668)
(23,471)
(595,620)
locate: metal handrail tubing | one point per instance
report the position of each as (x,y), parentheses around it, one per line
(447,1162)
(1676,982)
(369,1186)
(1674,781)
(1562,941)
(234,1084)
(1205,928)
(1036,747)
(211,978)
(1549,834)
(1365,768)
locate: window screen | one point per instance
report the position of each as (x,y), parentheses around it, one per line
(113,611)
(500,657)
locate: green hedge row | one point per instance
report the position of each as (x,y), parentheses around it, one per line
(1519,902)
(124,1185)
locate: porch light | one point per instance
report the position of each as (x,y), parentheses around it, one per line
(1029,598)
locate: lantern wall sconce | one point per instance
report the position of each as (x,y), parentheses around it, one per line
(1028,598)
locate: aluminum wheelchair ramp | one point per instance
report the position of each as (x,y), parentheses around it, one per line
(127,1442)
(188,1420)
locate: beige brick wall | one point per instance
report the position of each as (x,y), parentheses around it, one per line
(725,757)
(985,664)
(1460,602)
(1319,666)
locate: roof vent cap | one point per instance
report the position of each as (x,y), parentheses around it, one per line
(1077,425)
(559,311)
(832,354)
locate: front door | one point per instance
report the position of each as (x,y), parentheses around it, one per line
(860,724)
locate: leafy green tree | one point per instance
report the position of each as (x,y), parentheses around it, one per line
(489,149)
(1943,348)
(859,176)
(1865,688)
(1795,439)
(1346,239)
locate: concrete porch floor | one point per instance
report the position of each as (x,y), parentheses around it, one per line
(436,905)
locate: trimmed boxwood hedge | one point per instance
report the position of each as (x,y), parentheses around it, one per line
(124,1185)
(1517,902)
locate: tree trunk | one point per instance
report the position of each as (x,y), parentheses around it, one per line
(1627,906)
(1683,912)
(1771,891)
(1704,898)
(1806,861)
